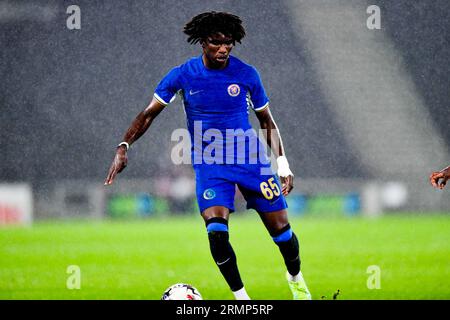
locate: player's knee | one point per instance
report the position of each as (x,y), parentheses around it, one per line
(282,235)
(215,212)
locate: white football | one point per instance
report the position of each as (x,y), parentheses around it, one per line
(181,291)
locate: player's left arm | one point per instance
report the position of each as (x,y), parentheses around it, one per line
(273,139)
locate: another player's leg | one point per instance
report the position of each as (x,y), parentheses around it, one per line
(279,228)
(216,220)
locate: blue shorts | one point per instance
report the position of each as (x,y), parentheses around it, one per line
(216,186)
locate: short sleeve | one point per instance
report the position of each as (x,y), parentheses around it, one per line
(258,96)
(167,88)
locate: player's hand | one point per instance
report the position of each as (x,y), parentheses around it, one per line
(286,175)
(287,184)
(436,176)
(119,163)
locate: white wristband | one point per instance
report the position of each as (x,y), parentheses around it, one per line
(123,143)
(283,167)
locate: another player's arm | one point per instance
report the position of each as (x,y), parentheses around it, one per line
(273,139)
(444,174)
(138,127)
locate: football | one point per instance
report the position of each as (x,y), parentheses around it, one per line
(181,291)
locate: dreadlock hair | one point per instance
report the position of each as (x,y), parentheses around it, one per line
(205,24)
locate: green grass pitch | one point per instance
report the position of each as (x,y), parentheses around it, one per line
(140,259)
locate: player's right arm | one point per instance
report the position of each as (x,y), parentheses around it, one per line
(138,127)
(444,174)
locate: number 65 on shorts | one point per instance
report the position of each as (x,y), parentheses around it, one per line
(216,186)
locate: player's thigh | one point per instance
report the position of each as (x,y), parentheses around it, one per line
(262,192)
(215,194)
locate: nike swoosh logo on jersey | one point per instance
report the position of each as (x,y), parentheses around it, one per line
(194,92)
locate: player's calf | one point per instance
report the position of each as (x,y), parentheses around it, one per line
(287,242)
(224,256)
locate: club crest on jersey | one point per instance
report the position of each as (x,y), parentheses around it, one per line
(209,194)
(234,90)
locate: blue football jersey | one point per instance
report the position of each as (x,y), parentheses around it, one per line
(217,104)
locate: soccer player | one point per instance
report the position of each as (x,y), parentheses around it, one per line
(217,90)
(444,174)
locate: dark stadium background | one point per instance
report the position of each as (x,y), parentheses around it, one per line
(67,96)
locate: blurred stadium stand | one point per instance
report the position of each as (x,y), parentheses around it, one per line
(355,106)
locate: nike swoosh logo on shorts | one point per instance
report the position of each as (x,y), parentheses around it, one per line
(272,202)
